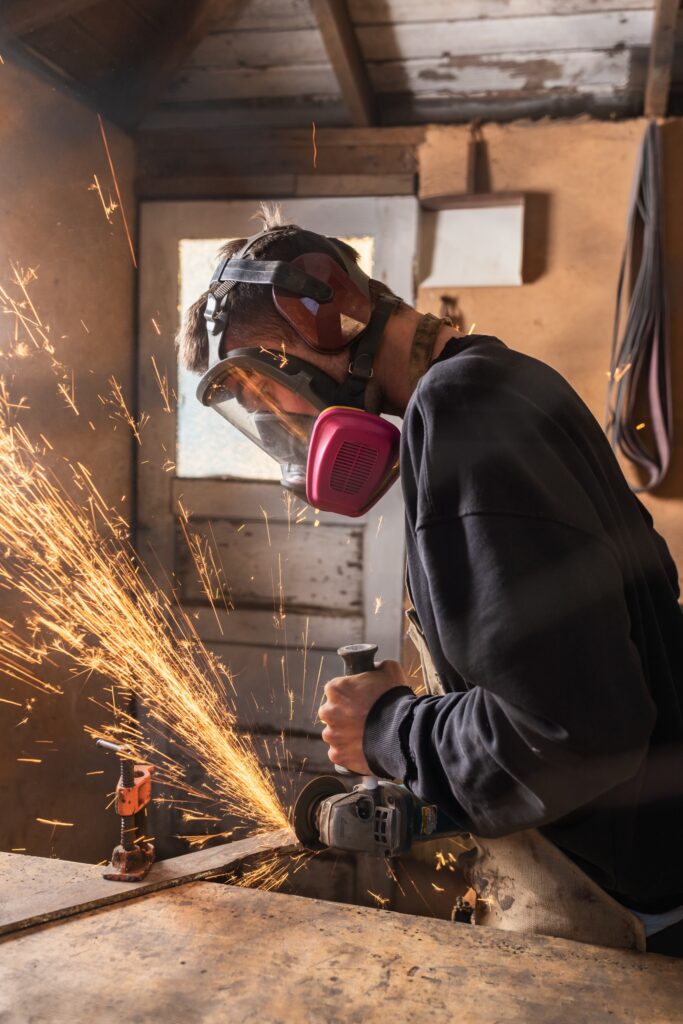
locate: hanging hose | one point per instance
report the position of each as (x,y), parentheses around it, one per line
(639,406)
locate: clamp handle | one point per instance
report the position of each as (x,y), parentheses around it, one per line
(358,658)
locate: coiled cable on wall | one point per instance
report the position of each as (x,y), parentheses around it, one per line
(639,419)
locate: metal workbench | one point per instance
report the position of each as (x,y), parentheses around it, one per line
(177,950)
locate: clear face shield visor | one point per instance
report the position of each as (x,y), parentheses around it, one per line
(268,398)
(334,456)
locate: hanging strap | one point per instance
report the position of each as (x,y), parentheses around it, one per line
(639,419)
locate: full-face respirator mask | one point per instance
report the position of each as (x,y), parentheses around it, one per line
(332,452)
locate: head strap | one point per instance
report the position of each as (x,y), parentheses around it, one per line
(364,349)
(234,270)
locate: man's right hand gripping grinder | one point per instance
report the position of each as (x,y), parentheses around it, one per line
(376,816)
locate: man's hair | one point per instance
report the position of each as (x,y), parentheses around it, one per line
(252,316)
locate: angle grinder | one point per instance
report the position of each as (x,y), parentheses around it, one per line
(376,816)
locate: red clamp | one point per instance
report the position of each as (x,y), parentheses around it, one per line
(131,799)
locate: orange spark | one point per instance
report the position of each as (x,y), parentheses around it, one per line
(30,760)
(69,394)
(162,383)
(268,875)
(315,147)
(57,824)
(209,571)
(108,207)
(197,842)
(117,402)
(265,516)
(111,619)
(117,189)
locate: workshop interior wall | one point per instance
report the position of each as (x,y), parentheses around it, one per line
(50,148)
(577,178)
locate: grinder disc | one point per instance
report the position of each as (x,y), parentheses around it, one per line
(306,809)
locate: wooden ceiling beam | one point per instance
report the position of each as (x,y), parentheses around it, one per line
(134,93)
(346,58)
(661,58)
(19,17)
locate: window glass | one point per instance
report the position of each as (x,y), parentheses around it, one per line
(206,444)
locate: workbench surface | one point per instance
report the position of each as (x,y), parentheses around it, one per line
(219,954)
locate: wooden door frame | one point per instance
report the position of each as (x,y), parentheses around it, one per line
(162,225)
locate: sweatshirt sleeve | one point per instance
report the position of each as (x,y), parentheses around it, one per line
(531,613)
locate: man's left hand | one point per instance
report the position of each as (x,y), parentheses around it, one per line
(348,700)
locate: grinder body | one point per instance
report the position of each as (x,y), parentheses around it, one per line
(384,821)
(377,817)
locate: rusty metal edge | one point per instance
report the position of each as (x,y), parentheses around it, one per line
(190,867)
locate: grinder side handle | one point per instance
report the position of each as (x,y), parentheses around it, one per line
(358,658)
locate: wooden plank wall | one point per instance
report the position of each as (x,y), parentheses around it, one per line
(288,594)
(195,163)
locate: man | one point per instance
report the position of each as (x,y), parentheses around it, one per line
(548,603)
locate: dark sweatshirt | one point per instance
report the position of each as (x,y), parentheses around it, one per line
(550,607)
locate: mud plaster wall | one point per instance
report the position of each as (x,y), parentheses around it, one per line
(50,147)
(577,177)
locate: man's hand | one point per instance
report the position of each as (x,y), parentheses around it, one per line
(348,700)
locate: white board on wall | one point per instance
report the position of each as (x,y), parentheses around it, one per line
(478,243)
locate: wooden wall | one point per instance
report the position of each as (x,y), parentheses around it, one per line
(577,177)
(50,147)
(276,163)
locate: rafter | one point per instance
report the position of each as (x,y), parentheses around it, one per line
(19,17)
(661,57)
(133,94)
(346,58)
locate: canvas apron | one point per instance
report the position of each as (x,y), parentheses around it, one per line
(524,883)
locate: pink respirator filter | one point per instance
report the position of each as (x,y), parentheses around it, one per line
(352,460)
